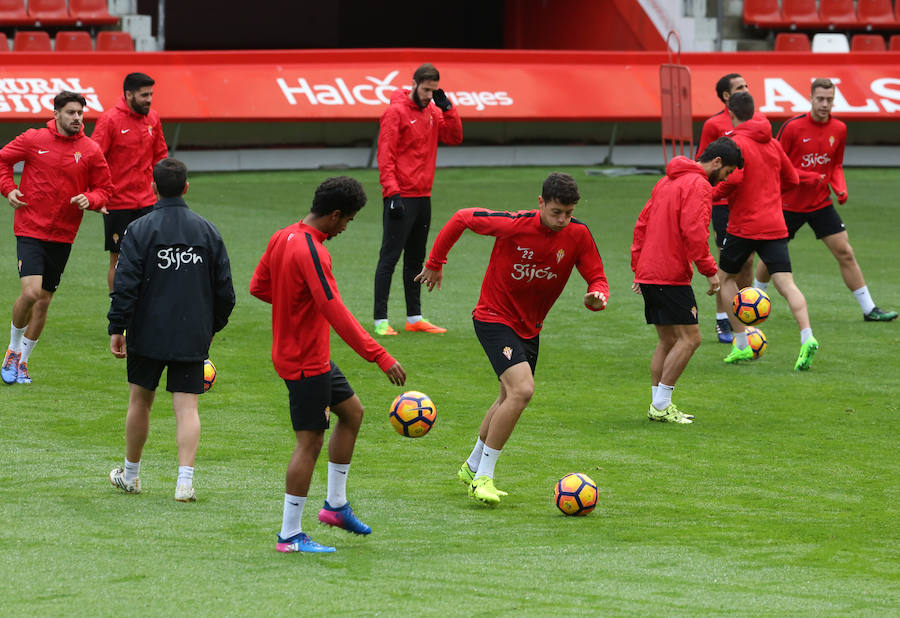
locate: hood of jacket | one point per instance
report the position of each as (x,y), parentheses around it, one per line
(51,124)
(679,166)
(757,129)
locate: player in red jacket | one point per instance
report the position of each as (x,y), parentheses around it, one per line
(64,174)
(716,126)
(755,224)
(294,276)
(131,138)
(671,235)
(534,254)
(411,128)
(815,144)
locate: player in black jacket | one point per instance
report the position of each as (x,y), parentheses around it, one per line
(172,291)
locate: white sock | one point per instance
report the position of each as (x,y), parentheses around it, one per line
(740,339)
(721,315)
(27,348)
(759,284)
(663,396)
(185,476)
(488,461)
(15,337)
(412,319)
(864,299)
(337,484)
(132,470)
(475,457)
(290,520)
(805,334)
(653,389)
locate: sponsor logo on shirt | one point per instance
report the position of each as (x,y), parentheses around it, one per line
(528,272)
(813,159)
(177,257)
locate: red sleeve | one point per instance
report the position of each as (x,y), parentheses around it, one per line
(640,233)
(838,182)
(102,133)
(387,151)
(261,281)
(789,177)
(723,189)
(708,135)
(450,127)
(100,183)
(694,225)
(12,153)
(479,220)
(590,265)
(160,150)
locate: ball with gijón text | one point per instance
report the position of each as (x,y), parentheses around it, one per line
(412,414)
(751,306)
(576,494)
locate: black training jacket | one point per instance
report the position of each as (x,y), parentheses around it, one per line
(172,287)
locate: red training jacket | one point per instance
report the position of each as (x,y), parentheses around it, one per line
(754,193)
(816,149)
(294,276)
(672,230)
(407,144)
(132,144)
(57,168)
(529,266)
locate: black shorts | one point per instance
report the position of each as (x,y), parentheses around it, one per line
(42,257)
(116,221)
(310,397)
(504,348)
(182,376)
(824,221)
(666,305)
(773,253)
(720,222)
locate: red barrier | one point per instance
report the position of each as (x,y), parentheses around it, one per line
(485,85)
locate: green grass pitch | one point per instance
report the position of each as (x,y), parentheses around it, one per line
(782,498)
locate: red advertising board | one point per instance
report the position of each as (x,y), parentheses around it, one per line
(485,85)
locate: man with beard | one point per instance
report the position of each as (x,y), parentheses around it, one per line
(411,128)
(64,174)
(131,138)
(672,234)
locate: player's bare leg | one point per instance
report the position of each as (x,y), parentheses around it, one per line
(137,427)
(337,511)
(343,436)
(303,461)
(784,283)
(685,339)
(187,437)
(111,274)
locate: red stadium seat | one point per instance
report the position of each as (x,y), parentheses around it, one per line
(74,41)
(867,42)
(876,14)
(792,41)
(91,12)
(4,43)
(801,14)
(13,13)
(895,42)
(110,40)
(49,12)
(762,13)
(33,40)
(838,13)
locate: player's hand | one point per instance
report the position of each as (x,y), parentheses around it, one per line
(117,345)
(440,99)
(396,374)
(842,198)
(713,285)
(636,287)
(595,300)
(81,201)
(15,199)
(396,207)
(431,278)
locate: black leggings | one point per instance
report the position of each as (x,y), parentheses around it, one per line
(407,235)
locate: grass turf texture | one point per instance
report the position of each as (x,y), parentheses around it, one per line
(781,498)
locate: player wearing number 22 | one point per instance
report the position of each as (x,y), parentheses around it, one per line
(534,254)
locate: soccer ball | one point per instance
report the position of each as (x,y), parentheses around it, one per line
(209,375)
(751,306)
(412,414)
(575,494)
(758,341)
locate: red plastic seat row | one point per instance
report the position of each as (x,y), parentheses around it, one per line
(813,14)
(55,13)
(799,41)
(67,41)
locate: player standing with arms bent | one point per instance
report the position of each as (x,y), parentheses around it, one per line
(533,256)
(131,138)
(815,144)
(411,128)
(64,174)
(294,276)
(671,235)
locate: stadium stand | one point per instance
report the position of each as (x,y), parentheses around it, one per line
(73,41)
(32,40)
(838,14)
(895,43)
(867,42)
(825,43)
(802,14)
(876,14)
(49,12)
(4,43)
(13,13)
(762,13)
(91,13)
(111,40)
(792,41)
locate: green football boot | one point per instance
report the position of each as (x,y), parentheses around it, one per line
(465,474)
(736,355)
(484,491)
(807,351)
(879,315)
(670,415)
